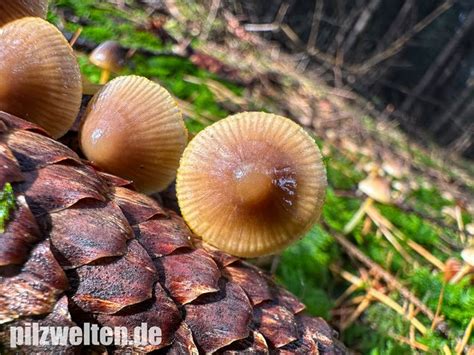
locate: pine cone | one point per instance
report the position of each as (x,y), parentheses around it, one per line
(81,246)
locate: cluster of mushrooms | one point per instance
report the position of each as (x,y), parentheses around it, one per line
(249,184)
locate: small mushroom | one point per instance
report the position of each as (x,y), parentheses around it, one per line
(132,128)
(470,228)
(251,184)
(377,189)
(11,10)
(40,77)
(394,167)
(468,257)
(110,57)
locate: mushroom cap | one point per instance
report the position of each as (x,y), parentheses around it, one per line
(394,167)
(251,184)
(377,188)
(133,128)
(40,77)
(11,10)
(468,255)
(109,55)
(469,228)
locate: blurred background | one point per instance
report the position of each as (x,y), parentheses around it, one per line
(386,89)
(413,59)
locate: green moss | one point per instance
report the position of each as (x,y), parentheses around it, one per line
(7,204)
(338,211)
(304,269)
(341,172)
(429,198)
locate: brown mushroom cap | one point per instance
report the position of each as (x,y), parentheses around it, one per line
(11,10)
(108,56)
(40,78)
(377,188)
(251,184)
(133,128)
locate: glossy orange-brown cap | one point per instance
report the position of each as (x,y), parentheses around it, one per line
(40,78)
(134,129)
(109,56)
(251,184)
(11,10)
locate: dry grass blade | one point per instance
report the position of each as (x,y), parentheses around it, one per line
(386,227)
(75,36)
(426,254)
(460,223)
(220,91)
(385,224)
(466,269)
(382,298)
(414,344)
(446,350)
(349,291)
(349,227)
(467,334)
(438,307)
(411,313)
(188,111)
(382,273)
(363,305)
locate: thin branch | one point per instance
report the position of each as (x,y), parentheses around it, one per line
(216,4)
(382,298)
(398,44)
(313,35)
(382,273)
(270,27)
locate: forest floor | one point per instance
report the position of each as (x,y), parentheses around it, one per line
(389,282)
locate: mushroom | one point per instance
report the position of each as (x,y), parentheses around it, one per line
(251,184)
(15,9)
(110,57)
(377,189)
(40,77)
(133,128)
(468,257)
(470,228)
(394,167)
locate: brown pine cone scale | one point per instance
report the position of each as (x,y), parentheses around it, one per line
(81,246)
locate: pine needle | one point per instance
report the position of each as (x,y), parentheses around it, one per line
(381,272)
(382,298)
(414,344)
(385,227)
(426,254)
(467,334)
(349,227)
(366,301)
(438,307)
(349,291)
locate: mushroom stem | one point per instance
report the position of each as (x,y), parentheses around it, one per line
(357,217)
(104,76)
(466,269)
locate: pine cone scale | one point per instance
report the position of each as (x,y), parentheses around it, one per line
(99,231)
(82,241)
(108,286)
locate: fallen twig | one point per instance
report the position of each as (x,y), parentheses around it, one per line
(381,297)
(467,334)
(383,274)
